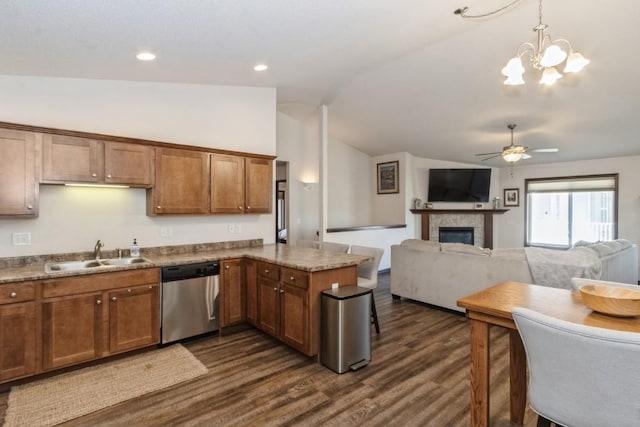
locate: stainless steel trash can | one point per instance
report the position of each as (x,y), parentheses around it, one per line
(346,328)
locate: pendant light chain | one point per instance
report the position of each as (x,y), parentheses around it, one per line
(462,11)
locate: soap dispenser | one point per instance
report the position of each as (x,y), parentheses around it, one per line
(135,249)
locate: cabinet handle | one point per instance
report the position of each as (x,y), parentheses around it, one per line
(98,301)
(275,289)
(13,295)
(248,207)
(293,279)
(282,291)
(226,267)
(29,207)
(266,271)
(240,207)
(150,287)
(158,207)
(128,290)
(109,176)
(94,175)
(114,299)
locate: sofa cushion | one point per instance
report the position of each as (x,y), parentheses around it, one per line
(422,245)
(462,248)
(511,254)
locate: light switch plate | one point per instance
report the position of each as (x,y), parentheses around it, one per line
(21,239)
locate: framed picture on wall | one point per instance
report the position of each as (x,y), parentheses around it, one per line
(511,197)
(388,178)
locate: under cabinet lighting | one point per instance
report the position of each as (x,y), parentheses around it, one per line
(261,67)
(146,56)
(96,185)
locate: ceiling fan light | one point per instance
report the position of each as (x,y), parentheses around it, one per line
(553,56)
(513,67)
(575,63)
(511,156)
(549,76)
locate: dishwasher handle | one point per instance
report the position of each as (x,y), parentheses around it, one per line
(212,292)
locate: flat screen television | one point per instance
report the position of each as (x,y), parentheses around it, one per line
(459,185)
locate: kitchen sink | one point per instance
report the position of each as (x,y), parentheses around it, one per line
(92,264)
(124,261)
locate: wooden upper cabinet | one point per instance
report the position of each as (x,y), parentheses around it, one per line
(130,164)
(227,184)
(18,173)
(181,183)
(241,184)
(258,185)
(75,159)
(71,159)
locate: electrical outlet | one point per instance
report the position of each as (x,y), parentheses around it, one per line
(21,239)
(166,231)
(335,285)
(238,228)
(232,228)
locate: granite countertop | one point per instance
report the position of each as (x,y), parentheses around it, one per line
(21,269)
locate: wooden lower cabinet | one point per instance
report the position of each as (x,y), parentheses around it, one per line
(288,302)
(71,330)
(134,318)
(232,291)
(93,316)
(18,330)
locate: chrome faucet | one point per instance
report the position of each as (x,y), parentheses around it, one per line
(96,249)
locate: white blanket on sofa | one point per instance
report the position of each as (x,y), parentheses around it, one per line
(556,268)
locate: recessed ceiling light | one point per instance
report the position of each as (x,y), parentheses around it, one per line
(146,56)
(261,67)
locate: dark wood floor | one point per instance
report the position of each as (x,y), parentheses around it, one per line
(418,377)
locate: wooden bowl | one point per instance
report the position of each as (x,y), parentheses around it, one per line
(621,302)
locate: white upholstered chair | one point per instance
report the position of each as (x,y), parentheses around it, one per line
(580,375)
(334,247)
(368,274)
(577,282)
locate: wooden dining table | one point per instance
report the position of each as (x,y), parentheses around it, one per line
(492,306)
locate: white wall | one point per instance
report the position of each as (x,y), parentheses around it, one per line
(72,219)
(350,185)
(298,144)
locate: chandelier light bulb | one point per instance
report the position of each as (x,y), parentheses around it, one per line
(553,56)
(514,80)
(575,63)
(549,76)
(513,67)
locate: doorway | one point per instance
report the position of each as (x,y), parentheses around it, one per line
(282,202)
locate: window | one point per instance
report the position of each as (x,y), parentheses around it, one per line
(563,211)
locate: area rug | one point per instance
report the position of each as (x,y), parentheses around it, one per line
(73,394)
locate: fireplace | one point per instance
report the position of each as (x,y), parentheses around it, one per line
(456,235)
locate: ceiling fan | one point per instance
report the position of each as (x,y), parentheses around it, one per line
(514,153)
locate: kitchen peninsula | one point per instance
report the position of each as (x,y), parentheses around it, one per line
(275,288)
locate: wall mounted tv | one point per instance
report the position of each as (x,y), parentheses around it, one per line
(459,185)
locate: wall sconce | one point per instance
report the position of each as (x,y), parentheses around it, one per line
(308,185)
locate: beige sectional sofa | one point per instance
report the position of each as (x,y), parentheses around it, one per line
(441,273)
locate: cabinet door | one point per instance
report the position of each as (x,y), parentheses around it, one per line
(134,318)
(19,194)
(181,184)
(130,164)
(227,184)
(71,159)
(232,292)
(251,285)
(258,185)
(294,311)
(268,306)
(71,330)
(17,340)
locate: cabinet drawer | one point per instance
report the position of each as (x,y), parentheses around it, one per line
(269,270)
(98,282)
(17,292)
(295,277)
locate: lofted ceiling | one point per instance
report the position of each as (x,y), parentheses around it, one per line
(396,75)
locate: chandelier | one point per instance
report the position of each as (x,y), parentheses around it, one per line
(545,56)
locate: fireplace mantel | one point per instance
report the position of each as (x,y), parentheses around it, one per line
(488,220)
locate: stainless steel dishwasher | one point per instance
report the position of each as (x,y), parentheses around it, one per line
(190,300)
